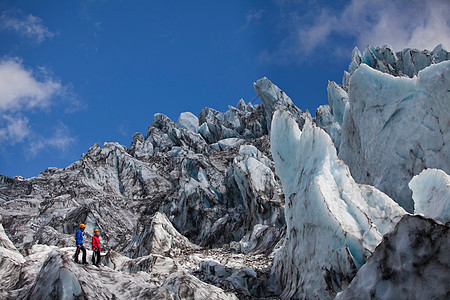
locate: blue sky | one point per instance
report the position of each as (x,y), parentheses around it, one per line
(74,73)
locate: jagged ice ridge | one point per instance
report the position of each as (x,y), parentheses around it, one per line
(210,207)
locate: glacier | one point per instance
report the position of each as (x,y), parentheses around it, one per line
(431,194)
(11,261)
(333,224)
(273,99)
(388,96)
(412,262)
(173,199)
(397,126)
(262,201)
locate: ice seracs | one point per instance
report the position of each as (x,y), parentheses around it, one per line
(254,176)
(194,209)
(325,120)
(160,237)
(244,122)
(332,223)
(395,127)
(188,121)
(273,99)
(407,62)
(391,116)
(431,194)
(338,101)
(10,261)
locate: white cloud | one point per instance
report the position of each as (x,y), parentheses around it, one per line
(254,16)
(26,25)
(21,89)
(61,140)
(124,128)
(13,129)
(24,91)
(402,24)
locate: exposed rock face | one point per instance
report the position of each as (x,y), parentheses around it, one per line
(412,262)
(333,224)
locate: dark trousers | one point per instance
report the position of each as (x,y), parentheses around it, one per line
(77,253)
(96,257)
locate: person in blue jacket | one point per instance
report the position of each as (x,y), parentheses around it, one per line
(79,244)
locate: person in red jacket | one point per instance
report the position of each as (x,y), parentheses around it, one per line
(96,248)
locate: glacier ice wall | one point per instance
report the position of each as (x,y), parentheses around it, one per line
(333,224)
(431,194)
(395,127)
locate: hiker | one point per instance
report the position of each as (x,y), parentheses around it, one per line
(79,243)
(96,248)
